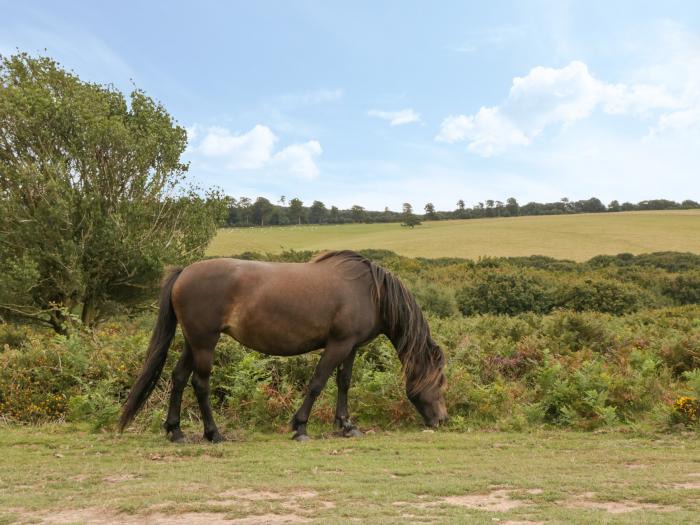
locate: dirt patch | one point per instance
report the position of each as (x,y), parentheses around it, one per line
(289,500)
(586,501)
(290,505)
(496,501)
(119,478)
(266,495)
(521,522)
(96,516)
(79,477)
(692,485)
(101,517)
(636,466)
(273,519)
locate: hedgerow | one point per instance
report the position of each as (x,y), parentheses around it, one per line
(549,343)
(573,369)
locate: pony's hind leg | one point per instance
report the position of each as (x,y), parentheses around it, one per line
(203,357)
(342,416)
(180,376)
(333,355)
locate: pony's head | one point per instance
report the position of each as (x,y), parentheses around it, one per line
(426,390)
(421,358)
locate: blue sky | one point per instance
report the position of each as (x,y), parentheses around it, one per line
(379,103)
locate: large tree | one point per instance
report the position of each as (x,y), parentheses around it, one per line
(407,216)
(296,210)
(318,213)
(262,211)
(358,213)
(91,198)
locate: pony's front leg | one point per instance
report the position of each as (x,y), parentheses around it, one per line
(333,355)
(342,378)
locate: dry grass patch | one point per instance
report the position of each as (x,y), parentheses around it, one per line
(577,237)
(586,501)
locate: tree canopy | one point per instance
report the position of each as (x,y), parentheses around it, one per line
(92,201)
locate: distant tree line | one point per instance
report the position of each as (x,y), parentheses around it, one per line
(244,211)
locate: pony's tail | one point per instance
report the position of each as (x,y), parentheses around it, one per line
(162,336)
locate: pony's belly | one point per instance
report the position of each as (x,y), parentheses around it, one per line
(276,327)
(274,342)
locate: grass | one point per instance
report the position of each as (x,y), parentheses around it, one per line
(552,476)
(577,237)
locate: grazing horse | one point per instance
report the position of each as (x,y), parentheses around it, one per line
(337,301)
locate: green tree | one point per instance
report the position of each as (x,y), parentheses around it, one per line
(409,219)
(334,215)
(91,198)
(512,207)
(261,211)
(244,208)
(318,213)
(430,211)
(358,213)
(461,212)
(296,210)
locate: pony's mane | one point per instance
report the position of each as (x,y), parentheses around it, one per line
(422,360)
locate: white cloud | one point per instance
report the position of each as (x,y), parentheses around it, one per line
(548,97)
(396,118)
(487,132)
(299,159)
(252,150)
(249,150)
(682,121)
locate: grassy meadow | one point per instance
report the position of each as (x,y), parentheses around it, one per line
(58,474)
(577,237)
(573,391)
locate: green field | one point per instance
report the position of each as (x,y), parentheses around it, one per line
(577,237)
(52,474)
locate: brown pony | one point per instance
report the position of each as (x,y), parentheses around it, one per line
(338,301)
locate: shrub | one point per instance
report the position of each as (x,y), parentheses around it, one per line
(685,411)
(682,354)
(684,288)
(12,336)
(507,292)
(601,295)
(573,332)
(435,299)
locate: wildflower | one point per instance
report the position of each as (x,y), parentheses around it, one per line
(688,407)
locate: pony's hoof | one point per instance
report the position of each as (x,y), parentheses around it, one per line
(352,433)
(214,437)
(176,436)
(301,437)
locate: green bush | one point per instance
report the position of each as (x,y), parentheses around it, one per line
(435,299)
(601,295)
(12,336)
(684,288)
(505,291)
(682,354)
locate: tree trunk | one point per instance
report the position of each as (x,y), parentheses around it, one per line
(58,322)
(87,314)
